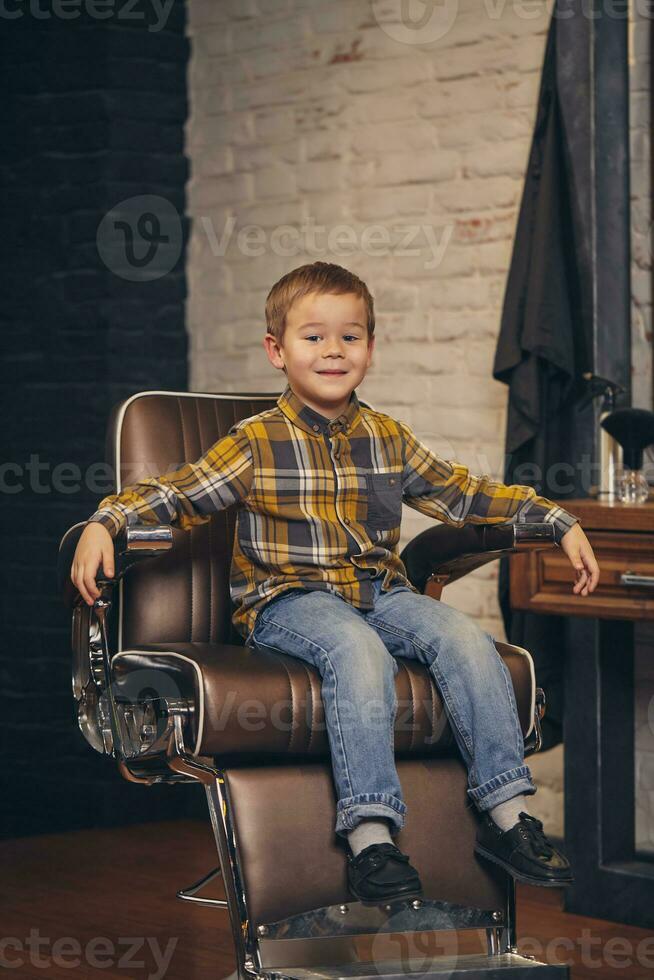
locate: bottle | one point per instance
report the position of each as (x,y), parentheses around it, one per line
(610,451)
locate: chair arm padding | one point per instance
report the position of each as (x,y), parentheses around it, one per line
(455,551)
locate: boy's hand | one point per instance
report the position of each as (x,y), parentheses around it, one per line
(577,547)
(94,548)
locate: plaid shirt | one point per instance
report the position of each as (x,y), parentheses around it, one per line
(320,501)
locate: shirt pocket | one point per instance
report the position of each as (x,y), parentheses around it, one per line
(384,500)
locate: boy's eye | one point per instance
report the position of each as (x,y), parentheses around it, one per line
(315,336)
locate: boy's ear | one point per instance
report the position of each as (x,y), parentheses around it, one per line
(371,347)
(274,351)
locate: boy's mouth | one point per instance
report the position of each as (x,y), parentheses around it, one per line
(332,372)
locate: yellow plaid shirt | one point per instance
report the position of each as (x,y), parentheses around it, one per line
(320,501)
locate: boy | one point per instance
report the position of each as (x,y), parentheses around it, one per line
(316,574)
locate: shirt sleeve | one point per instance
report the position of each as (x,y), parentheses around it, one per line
(186,496)
(447,490)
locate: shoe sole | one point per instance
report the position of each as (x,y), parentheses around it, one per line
(417,893)
(520,875)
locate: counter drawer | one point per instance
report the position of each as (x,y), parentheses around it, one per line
(542,581)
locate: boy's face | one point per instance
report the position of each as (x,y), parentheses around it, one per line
(325,349)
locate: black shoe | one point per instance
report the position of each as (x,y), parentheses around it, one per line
(524,851)
(382,873)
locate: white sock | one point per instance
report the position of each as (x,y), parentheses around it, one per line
(369,832)
(507,814)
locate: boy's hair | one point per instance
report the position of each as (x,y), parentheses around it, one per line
(316,277)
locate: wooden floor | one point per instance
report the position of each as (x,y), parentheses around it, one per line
(101,904)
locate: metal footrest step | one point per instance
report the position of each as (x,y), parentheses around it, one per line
(471,966)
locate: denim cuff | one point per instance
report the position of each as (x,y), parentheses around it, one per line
(352,810)
(503,787)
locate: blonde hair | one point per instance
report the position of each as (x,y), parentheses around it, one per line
(316,277)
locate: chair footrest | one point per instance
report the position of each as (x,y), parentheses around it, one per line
(470,966)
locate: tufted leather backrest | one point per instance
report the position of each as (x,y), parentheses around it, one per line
(184,595)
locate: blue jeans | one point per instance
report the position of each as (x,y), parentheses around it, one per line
(354,652)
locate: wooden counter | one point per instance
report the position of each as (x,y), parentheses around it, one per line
(622,537)
(612,880)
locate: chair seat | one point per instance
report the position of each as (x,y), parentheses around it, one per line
(250,703)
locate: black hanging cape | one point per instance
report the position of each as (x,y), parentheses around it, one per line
(541,354)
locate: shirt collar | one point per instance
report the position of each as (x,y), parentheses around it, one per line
(311,421)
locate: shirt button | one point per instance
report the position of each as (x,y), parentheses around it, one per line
(392,480)
(316,428)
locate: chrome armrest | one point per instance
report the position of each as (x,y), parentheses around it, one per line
(132,544)
(98,717)
(535,740)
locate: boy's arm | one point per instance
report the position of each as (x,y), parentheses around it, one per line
(188,495)
(448,491)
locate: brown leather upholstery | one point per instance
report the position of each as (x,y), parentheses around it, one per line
(183,596)
(297,804)
(252,703)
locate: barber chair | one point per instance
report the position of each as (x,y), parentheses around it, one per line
(165,685)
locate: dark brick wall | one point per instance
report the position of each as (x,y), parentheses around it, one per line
(92,114)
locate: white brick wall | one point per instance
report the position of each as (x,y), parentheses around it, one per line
(311,126)
(311,115)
